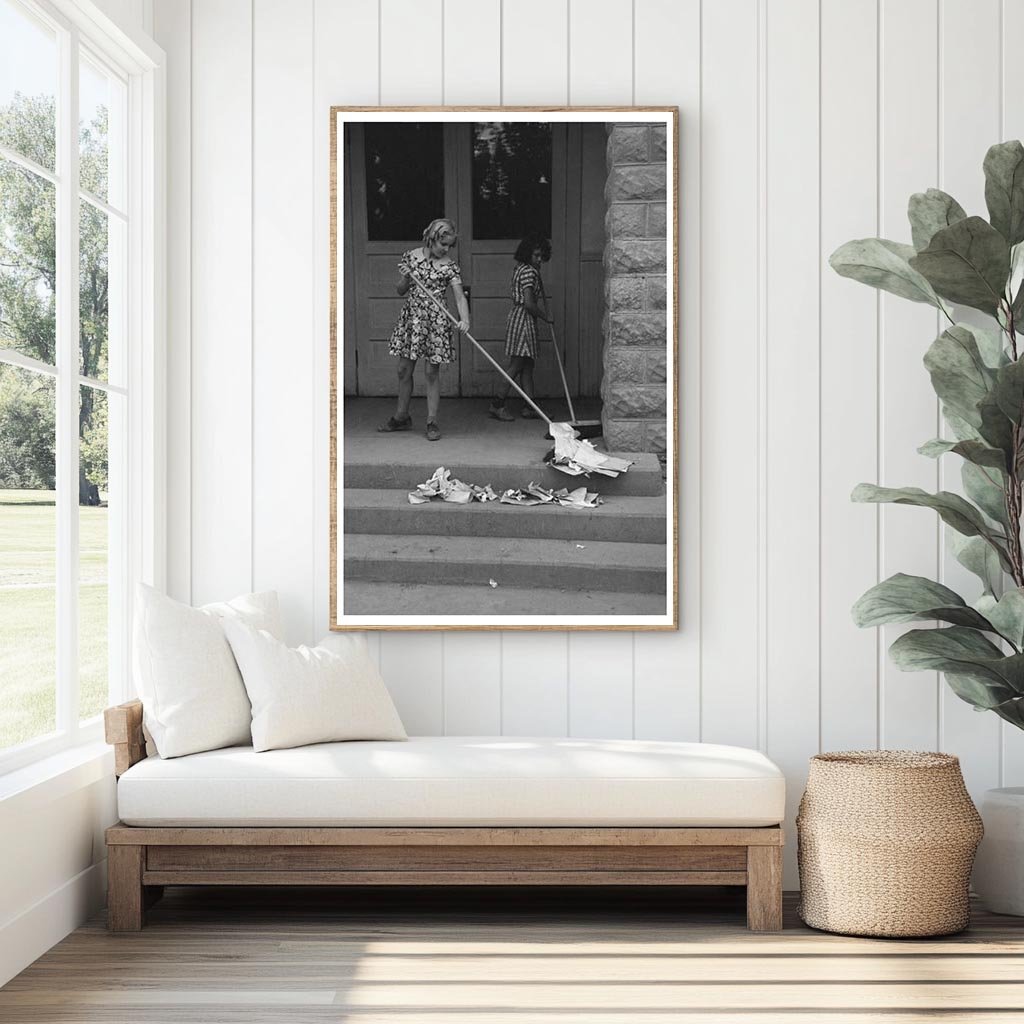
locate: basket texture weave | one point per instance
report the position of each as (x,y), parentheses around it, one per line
(885,843)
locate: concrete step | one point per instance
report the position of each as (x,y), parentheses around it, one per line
(401,461)
(424,600)
(473,561)
(635,519)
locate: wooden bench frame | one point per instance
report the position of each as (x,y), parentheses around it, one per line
(142,860)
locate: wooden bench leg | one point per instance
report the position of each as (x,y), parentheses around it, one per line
(125,897)
(764,888)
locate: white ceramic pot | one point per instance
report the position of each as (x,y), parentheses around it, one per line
(999,866)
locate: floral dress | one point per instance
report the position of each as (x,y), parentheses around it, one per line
(521,328)
(423,331)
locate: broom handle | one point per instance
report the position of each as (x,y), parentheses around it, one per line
(444,309)
(561,370)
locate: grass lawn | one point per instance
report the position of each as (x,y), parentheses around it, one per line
(28,614)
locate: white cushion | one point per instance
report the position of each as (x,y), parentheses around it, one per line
(309,694)
(191,691)
(455,780)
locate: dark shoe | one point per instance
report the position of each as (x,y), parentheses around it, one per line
(392,425)
(433,431)
(499,412)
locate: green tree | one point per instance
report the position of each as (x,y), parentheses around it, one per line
(28,277)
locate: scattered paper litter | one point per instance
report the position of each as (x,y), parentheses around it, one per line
(493,584)
(577,457)
(446,487)
(443,485)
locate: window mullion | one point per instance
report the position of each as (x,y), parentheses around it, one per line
(67,386)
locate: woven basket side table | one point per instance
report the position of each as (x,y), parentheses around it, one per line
(885,843)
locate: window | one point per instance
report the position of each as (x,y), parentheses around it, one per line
(404,179)
(511,180)
(75,246)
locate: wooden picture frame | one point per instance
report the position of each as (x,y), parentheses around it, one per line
(587,197)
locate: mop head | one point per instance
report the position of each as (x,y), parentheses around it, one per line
(576,457)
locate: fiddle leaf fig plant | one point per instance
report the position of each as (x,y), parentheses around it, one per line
(978,376)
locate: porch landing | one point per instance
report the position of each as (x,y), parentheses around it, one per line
(493,559)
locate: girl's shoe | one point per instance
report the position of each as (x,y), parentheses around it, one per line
(528,413)
(392,425)
(433,431)
(499,412)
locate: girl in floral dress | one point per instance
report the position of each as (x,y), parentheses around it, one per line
(423,331)
(521,327)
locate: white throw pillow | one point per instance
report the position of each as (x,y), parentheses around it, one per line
(309,694)
(192,693)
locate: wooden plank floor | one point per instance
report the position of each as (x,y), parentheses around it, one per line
(220,956)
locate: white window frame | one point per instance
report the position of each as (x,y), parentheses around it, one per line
(140,63)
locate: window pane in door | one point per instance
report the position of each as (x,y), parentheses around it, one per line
(28,85)
(511,180)
(28,263)
(28,556)
(404,179)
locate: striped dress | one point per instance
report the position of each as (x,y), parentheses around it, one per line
(521,329)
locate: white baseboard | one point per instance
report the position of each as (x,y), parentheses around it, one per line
(28,936)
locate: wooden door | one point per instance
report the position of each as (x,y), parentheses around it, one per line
(428,177)
(487,264)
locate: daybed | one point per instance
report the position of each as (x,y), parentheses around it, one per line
(444,811)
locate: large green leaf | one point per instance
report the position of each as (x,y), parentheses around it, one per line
(1006,614)
(996,427)
(883,264)
(986,488)
(1004,189)
(954,510)
(976,555)
(930,212)
(1009,390)
(985,695)
(962,430)
(962,651)
(967,263)
(958,372)
(903,598)
(990,345)
(973,451)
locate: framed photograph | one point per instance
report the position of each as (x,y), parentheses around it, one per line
(504,368)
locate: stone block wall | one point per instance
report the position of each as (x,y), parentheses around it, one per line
(634,386)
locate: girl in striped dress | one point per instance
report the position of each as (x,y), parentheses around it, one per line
(521,328)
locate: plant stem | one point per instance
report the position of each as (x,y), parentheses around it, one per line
(1012,497)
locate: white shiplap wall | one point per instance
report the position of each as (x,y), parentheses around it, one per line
(804,123)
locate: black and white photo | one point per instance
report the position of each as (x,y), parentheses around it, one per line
(504,364)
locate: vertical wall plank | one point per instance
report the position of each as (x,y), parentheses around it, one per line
(1012,127)
(601,52)
(909,416)
(411,72)
(472,52)
(969,124)
(412,672)
(600,666)
(601,685)
(173,31)
(535,684)
(410,52)
(729,356)
(849,372)
(792,385)
(344,49)
(283,305)
(472,75)
(472,684)
(221,528)
(666,670)
(534,59)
